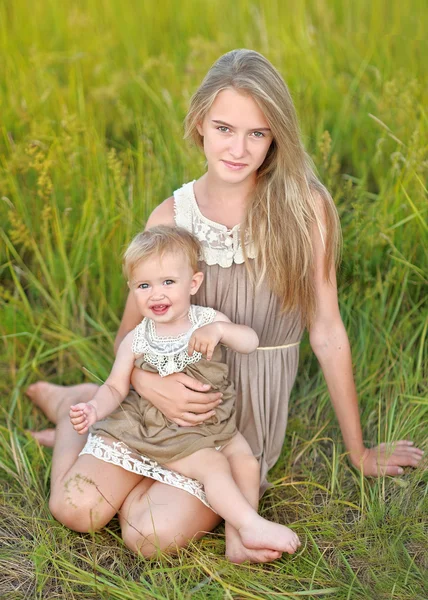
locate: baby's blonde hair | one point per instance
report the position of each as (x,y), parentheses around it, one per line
(158,241)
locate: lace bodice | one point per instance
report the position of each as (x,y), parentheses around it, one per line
(220,245)
(168,354)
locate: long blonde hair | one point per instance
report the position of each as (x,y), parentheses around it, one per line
(288,198)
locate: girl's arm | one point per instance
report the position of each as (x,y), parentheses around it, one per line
(110,394)
(330,344)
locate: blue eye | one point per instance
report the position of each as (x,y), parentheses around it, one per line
(168,281)
(143,286)
(223,129)
(258,134)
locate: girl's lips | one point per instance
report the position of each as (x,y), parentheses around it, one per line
(234,166)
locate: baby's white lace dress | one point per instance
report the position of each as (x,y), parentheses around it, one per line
(168,355)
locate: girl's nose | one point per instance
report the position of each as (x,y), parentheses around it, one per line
(238,146)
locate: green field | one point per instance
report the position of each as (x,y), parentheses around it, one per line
(92,100)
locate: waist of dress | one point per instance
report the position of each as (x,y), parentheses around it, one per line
(292,345)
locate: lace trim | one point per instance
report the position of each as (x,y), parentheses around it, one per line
(220,245)
(168,354)
(119,454)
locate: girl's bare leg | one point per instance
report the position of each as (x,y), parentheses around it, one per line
(48,396)
(212,468)
(159,517)
(45,437)
(85,491)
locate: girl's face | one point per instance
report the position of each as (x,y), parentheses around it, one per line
(236,136)
(162,287)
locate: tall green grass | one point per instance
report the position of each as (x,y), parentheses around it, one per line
(92,98)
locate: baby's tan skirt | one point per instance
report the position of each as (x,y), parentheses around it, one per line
(145,430)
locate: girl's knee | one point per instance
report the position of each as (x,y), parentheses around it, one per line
(150,540)
(88,515)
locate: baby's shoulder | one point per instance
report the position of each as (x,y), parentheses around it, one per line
(208,314)
(221,317)
(138,339)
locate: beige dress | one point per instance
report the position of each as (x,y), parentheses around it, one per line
(263,380)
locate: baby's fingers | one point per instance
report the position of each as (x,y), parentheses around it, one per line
(81,428)
(191,346)
(210,351)
(77,417)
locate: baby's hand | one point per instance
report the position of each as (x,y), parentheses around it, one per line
(205,339)
(82,416)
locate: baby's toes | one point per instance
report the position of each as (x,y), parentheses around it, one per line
(270,555)
(294,544)
(291,548)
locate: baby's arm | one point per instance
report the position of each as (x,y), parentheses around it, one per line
(236,337)
(110,394)
(240,338)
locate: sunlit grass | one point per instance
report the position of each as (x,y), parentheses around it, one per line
(92,98)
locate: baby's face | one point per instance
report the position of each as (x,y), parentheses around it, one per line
(162,287)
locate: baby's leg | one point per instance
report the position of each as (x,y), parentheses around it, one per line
(212,468)
(246,473)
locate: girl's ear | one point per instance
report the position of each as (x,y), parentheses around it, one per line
(197,280)
(199,128)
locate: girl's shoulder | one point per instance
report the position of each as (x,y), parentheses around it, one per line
(180,203)
(163,214)
(184,206)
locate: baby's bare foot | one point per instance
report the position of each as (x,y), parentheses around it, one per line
(237,553)
(46,437)
(48,396)
(260,533)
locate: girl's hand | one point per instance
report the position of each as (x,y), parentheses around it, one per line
(82,416)
(182,399)
(205,339)
(388,459)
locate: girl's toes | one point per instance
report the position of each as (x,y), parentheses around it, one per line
(46,437)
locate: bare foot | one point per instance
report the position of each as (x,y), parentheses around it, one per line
(46,437)
(237,553)
(48,396)
(260,533)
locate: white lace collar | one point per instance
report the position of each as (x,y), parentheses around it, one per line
(220,245)
(168,354)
